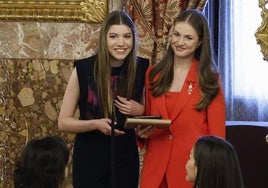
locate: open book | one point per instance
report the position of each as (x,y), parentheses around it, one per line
(155,121)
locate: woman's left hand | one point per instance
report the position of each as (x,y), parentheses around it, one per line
(128,107)
(144,132)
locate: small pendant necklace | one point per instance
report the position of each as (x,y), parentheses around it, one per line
(117,77)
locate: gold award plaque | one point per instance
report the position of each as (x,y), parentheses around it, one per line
(91,11)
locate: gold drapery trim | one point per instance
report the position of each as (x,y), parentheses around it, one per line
(91,11)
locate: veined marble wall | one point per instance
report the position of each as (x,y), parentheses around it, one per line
(36,60)
(34,40)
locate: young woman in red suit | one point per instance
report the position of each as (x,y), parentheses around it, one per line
(185,88)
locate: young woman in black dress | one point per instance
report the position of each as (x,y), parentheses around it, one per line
(108,83)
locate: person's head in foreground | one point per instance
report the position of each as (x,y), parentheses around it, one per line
(42,164)
(213,163)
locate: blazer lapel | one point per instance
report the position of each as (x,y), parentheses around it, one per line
(188,89)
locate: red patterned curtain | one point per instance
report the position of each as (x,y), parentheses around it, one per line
(153,19)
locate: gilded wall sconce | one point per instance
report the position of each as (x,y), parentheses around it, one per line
(262,32)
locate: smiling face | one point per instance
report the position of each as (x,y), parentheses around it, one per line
(184,40)
(119,43)
(191,167)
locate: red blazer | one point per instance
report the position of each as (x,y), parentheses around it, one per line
(167,151)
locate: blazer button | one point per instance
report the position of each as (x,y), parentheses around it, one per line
(170,137)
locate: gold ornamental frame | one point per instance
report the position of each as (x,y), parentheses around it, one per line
(262,32)
(91,11)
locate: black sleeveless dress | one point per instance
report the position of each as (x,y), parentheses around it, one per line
(92,150)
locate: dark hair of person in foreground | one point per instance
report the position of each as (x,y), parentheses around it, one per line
(217,164)
(42,164)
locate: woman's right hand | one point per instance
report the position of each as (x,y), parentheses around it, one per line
(104,126)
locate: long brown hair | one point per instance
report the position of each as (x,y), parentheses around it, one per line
(103,65)
(207,76)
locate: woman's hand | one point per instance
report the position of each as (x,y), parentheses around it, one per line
(144,131)
(103,125)
(128,107)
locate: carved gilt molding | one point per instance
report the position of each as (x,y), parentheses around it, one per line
(91,11)
(262,32)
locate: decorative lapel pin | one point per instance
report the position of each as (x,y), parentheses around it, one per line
(190,88)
